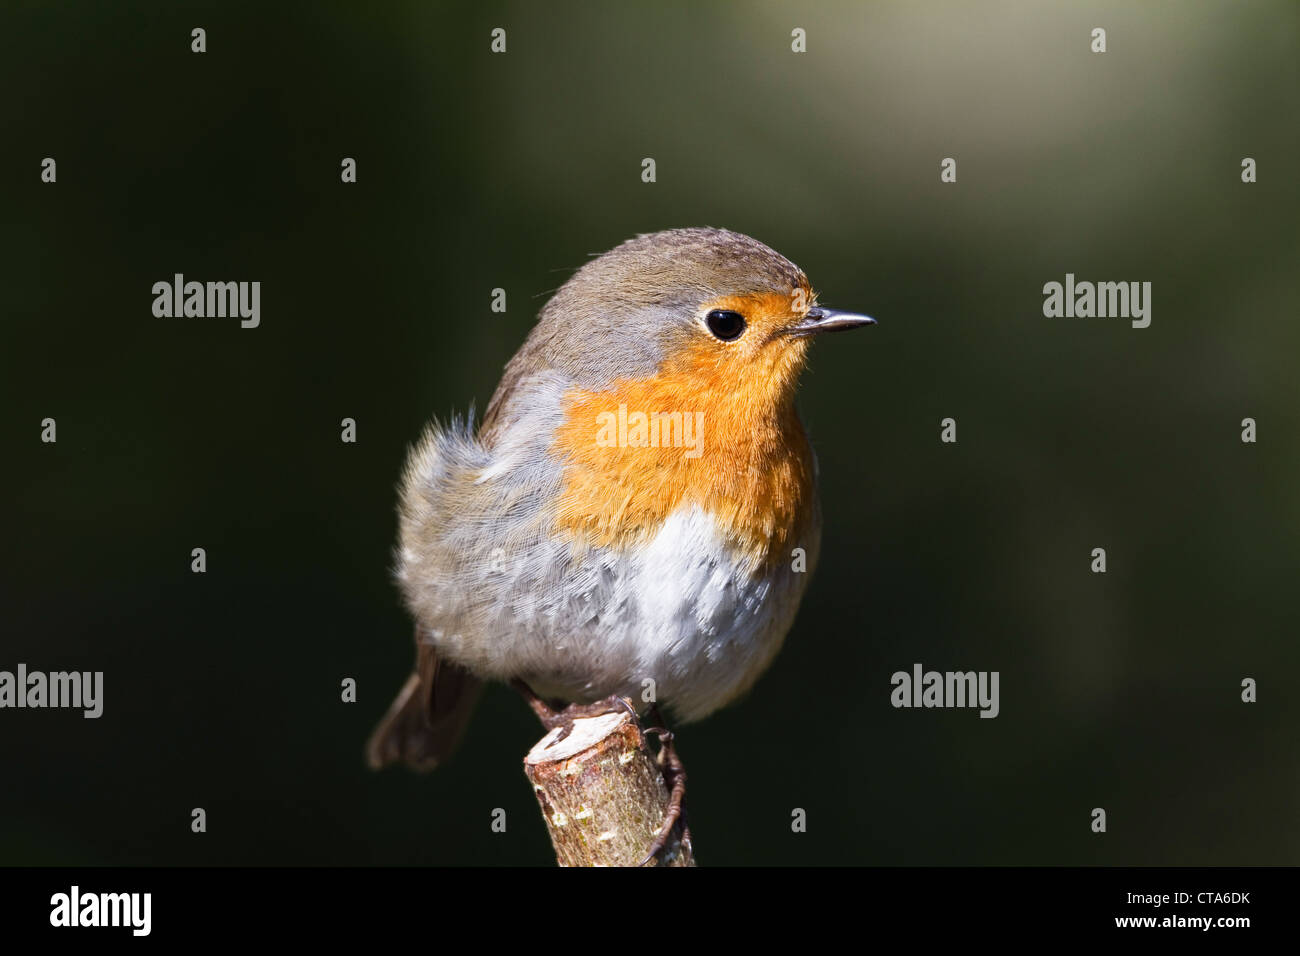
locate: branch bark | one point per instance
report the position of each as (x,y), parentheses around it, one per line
(602,794)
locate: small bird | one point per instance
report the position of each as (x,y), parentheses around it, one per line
(637,512)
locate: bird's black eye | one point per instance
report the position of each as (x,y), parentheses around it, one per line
(725,325)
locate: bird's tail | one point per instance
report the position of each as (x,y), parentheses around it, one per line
(427,719)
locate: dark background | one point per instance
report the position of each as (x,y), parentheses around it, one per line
(222,690)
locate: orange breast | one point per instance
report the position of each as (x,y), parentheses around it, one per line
(714,427)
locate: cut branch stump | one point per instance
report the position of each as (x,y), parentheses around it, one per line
(603,794)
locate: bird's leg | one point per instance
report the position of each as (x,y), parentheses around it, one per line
(675,777)
(548,715)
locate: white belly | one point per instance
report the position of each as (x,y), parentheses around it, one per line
(682,617)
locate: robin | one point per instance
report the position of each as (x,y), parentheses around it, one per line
(636,514)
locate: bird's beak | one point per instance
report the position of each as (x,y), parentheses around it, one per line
(819,319)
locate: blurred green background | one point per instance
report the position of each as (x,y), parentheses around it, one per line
(479,171)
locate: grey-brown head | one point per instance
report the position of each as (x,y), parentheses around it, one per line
(625,312)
